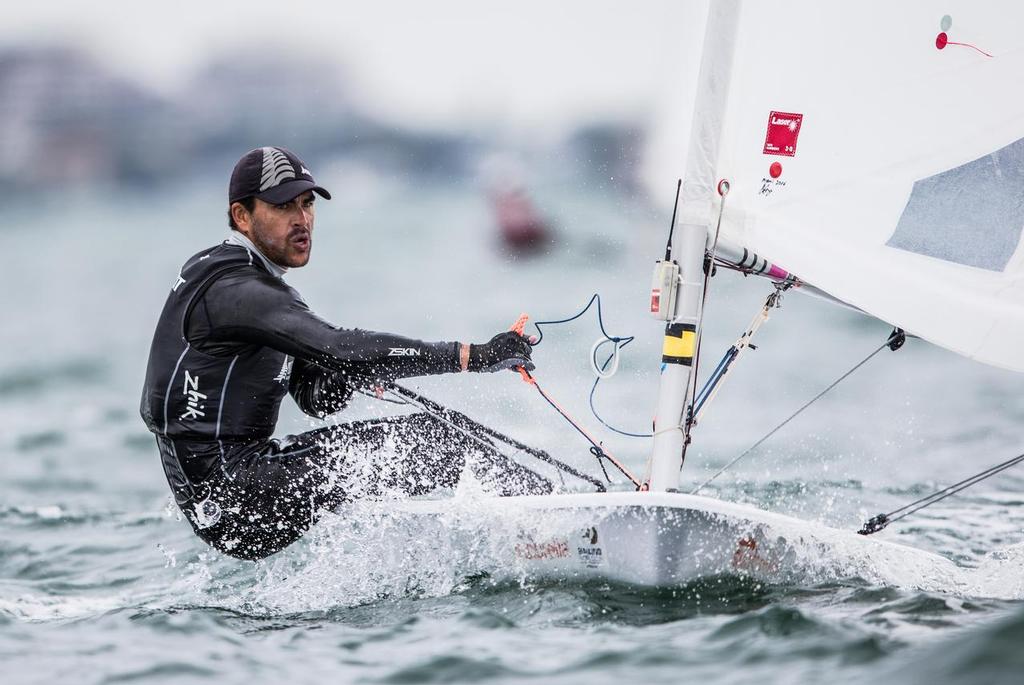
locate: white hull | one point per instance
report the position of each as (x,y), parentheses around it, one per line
(654,539)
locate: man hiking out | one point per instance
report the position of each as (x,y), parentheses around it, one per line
(233,338)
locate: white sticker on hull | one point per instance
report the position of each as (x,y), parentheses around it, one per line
(589,550)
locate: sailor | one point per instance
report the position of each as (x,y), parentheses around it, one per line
(233,338)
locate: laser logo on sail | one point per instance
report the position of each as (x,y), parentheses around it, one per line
(783,131)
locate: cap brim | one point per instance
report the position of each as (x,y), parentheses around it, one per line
(286,192)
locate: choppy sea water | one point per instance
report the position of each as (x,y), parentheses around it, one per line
(101,581)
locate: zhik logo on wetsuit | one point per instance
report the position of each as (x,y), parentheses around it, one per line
(403,352)
(194,410)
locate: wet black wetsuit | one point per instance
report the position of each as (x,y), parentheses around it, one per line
(232,340)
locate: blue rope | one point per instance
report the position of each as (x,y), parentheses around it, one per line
(714,378)
(593,410)
(600,322)
(618,342)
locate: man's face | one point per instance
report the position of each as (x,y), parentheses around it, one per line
(283,233)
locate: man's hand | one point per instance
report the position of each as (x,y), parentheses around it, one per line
(507,350)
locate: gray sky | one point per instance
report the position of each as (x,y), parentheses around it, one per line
(526,64)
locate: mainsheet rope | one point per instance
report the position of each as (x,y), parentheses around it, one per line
(472,429)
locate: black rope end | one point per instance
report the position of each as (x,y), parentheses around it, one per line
(896,339)
(599,453)
(873,525)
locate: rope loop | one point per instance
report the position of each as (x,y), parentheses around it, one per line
(604,371)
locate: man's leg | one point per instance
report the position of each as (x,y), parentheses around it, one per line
(417,454)
(290,482)
(267,494)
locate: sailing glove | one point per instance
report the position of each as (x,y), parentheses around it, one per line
(506,350)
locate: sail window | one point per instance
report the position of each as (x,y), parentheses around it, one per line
(972,214)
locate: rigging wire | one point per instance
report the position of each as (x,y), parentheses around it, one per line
(672,224)
(877,523)
(894,342)
(709,271)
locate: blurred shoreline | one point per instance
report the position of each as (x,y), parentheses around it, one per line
(67,123)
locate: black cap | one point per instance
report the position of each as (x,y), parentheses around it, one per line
(272,174)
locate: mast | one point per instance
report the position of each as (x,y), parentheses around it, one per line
(688,246)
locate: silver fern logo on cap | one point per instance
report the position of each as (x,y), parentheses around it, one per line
(276,168)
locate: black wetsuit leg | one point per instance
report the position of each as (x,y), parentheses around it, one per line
(250,500)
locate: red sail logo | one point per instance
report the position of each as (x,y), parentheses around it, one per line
(783,130)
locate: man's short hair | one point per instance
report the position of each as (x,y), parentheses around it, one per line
(249,203)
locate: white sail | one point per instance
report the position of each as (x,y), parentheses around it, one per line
(876,151)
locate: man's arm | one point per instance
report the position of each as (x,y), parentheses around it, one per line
(259,309)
